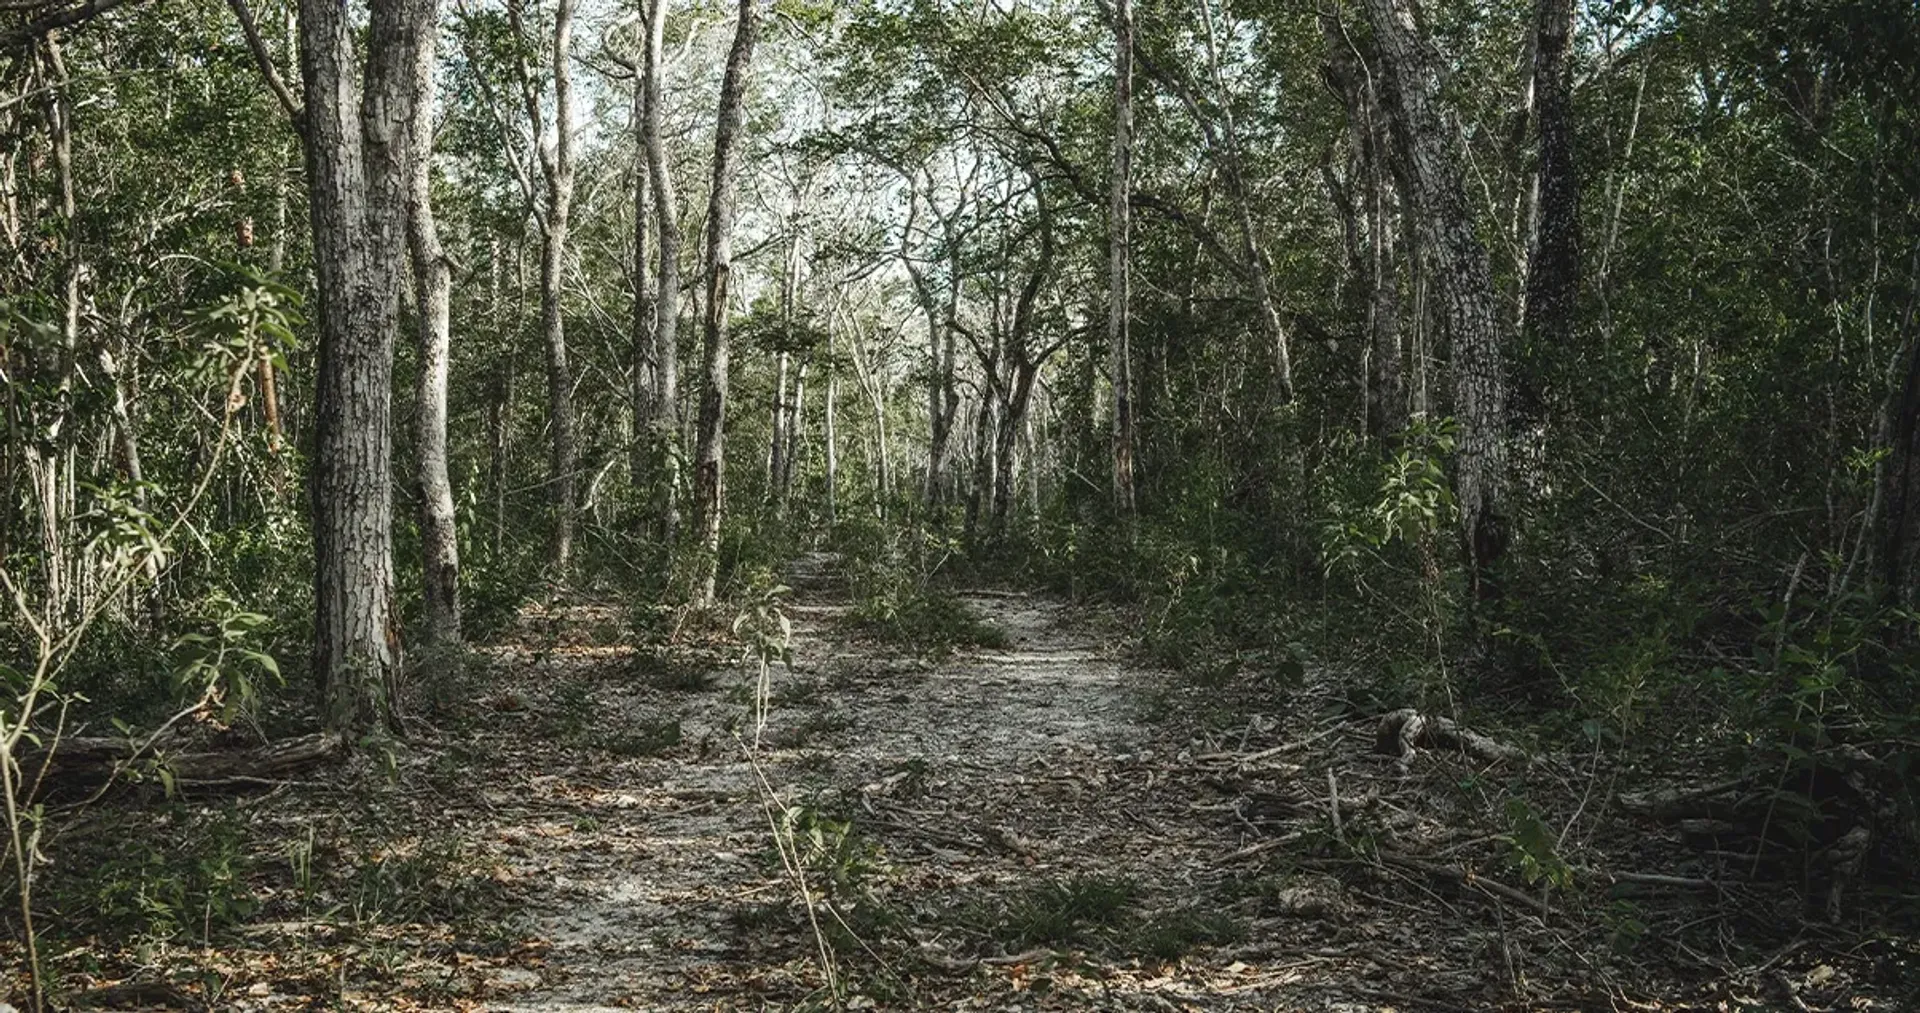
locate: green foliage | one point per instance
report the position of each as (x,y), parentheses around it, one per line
(1412,505)
(1535,850)
(193,883)
(222,667)
(926,622)
(1063,912)
(1170,935)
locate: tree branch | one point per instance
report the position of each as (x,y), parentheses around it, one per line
(258,46)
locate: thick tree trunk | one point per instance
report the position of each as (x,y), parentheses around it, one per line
(358,156)
(1481,479)
(1006,449)
(1120,242)
(709,478)
(666,329)
(433,283)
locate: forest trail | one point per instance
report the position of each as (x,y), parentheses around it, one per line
(1040,824)
(974,783)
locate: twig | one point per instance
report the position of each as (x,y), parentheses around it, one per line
(1333,808)
(1468,878)
(1279,750)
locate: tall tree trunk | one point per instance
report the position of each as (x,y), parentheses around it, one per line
(1481,481)
(358,156)
(1006,444)
(1553,261)
(645,365)
(832,435)
(1120,241)
(500,398)
(1899,492)
(433,283)
(269,380)
(709,462)
(796,433)
(666,328)
(777,441)
(556,165)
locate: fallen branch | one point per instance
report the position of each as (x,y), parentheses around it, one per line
(1243,759)
(954,965)
(1467,878)
(1404,732)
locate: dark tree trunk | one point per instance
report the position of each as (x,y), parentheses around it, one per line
(709,462)
(1553,261)
(1900,487)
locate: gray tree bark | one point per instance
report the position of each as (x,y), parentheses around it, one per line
(645,381)
(358,152)
(709,462)
(557,173)
(433,282)
(666,328)
(1464,280)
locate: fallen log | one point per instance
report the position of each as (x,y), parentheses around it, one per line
(89,762)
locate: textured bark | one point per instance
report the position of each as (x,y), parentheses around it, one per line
(1553,261)
(433,283)
(556,167)
(357,153)
(666,328)
(1465,285)
(709,462)
(1120,242)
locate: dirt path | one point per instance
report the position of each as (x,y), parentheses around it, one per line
(1041,825)
(998,800)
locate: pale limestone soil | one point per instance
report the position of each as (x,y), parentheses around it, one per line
(973,778)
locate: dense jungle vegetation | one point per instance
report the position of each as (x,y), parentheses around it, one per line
(1526,388)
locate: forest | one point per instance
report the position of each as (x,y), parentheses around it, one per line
(1350,505)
